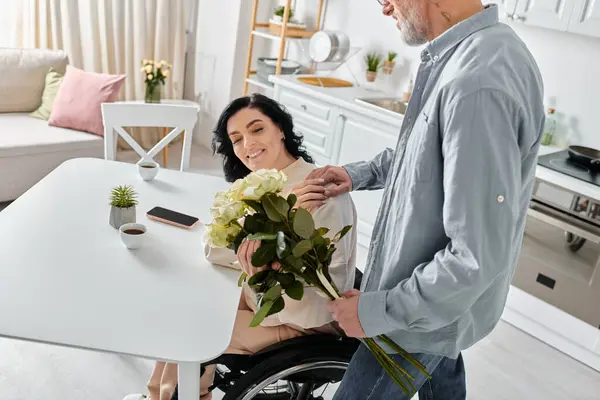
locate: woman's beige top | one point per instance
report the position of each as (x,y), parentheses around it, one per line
(311,311)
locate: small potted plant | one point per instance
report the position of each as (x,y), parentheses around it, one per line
(122,202)
(373,61)
(278,14)
(389,64)
(155,74)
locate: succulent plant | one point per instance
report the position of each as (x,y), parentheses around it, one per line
(281,9)
(123,197)
(392,56)
(373,61)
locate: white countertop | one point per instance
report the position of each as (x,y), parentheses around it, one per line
(343,97)
(565,181)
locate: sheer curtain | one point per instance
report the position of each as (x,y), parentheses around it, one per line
(111,36)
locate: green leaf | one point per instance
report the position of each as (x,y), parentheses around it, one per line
(273,293)
(281,204)
(291,200)
(304,226)
(295,291)
(262,236)
(342,233)
(237,242)
(294,263)
(301,248)
(261,314)
(254,224)
(255,205)
(271,208)
(243,277)
(286,279)
(258,277)
(322,231)
(271,227)
(264,255)
(281,245)
(278,305)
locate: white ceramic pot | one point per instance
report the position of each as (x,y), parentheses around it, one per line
(121,216)
(133,236)
(148,169)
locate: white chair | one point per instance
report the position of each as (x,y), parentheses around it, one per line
(179,114)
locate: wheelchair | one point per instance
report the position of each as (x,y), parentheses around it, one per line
(296,369)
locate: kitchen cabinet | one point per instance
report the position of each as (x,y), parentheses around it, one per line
(362,138)
(506,8)
(551,14)
(585,18)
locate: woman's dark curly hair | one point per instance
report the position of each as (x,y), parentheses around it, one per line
(233,167)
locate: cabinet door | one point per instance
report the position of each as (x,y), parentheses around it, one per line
(551,14)
(361,140)
(506,8)
(585,18)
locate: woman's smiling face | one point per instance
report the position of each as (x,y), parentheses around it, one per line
(256,140)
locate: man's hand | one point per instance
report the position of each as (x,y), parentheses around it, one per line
(244,255)
(336,179)
(310,194)
(345,312)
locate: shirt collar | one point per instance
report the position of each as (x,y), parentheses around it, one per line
(457,33)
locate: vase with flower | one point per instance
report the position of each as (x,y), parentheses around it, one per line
(155,74)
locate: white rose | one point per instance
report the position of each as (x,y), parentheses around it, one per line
(263,181)
(165,73)
(148,69)
(237,189)
(149,77)
(220,236)
(226,213)
(221,199)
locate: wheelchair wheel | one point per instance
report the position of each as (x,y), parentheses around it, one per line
(291,376)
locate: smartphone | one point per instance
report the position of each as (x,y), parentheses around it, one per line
(172,217)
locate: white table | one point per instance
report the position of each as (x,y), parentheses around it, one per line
(66,278)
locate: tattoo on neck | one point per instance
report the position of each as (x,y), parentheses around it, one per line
(446,16)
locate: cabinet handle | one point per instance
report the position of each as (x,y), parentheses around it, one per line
(516,17)
(509,15)
(342,116)
(303,107)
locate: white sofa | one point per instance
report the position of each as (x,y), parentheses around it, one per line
(29,147)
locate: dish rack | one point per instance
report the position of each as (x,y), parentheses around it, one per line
(287,30)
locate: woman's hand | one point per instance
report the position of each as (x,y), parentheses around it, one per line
(310,194)
(244,255)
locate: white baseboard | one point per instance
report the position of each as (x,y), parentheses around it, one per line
(554,327)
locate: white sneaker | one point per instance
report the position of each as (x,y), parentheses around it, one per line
(136,397)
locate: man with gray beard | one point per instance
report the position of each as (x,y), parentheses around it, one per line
(456,191)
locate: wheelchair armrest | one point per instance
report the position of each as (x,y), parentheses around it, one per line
(308,343)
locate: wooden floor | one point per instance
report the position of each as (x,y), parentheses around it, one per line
(507,365)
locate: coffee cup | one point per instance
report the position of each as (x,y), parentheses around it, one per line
(148,169)
(133,235)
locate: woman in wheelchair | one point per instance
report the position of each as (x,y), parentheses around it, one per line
(256,133)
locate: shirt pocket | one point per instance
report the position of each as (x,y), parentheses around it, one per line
(419,150)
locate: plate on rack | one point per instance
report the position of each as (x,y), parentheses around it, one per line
(327,46)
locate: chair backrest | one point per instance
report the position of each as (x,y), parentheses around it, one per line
(142,114)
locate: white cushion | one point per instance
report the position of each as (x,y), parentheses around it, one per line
(21,134)
(22,76)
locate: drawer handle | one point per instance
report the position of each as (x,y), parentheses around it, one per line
(304,107)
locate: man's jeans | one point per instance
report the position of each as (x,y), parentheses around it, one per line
(366,380)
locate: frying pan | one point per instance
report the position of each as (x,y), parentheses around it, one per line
(585,156)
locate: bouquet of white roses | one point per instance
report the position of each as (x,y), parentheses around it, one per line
(253,210)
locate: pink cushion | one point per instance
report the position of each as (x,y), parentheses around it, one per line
(77,103)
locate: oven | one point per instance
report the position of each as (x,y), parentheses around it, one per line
(560,257)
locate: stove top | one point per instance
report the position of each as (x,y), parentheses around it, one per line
(560,162)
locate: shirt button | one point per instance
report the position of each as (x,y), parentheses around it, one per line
(500,199)
(436,57)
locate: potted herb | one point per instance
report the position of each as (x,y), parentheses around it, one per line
(389,64)
(278,14)
(155,74)
(373,61)
(122,206)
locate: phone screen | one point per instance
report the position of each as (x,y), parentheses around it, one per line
(173,216)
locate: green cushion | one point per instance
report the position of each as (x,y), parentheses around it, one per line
(53,80)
